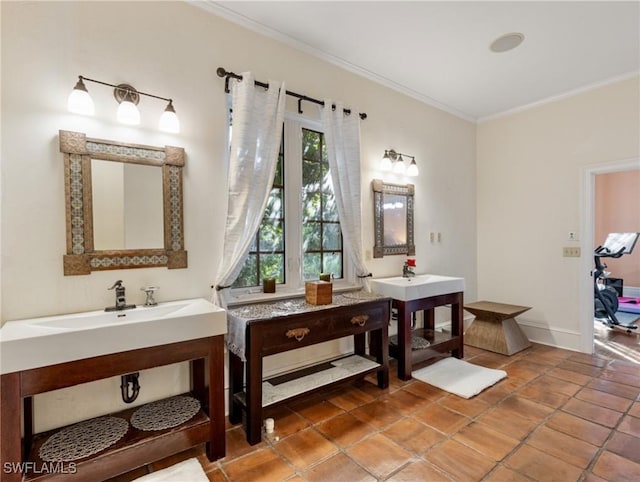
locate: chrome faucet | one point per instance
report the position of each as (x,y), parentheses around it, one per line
(407,271)
(121,301)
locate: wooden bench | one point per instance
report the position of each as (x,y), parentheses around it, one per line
(495,328)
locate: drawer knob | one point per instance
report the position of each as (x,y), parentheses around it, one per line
(298,333)
(359,320)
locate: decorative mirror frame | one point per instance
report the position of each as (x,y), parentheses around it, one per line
(380,188)
(81,258)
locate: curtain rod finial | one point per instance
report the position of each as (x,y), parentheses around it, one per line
(221,72)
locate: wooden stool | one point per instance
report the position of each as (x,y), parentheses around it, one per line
(495,328)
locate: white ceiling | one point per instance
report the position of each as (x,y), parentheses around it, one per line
(438,52)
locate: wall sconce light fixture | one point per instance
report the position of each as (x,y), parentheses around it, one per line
(393,161)
(80,102)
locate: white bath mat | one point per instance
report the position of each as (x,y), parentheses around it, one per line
(459,377)
(188,471)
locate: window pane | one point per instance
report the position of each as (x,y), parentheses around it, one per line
(331,237)
(333,264)
(311,148)
(311,206)
(311,237)
(311,266)
(329,207)
(272,266)
(248,275)
(271,236)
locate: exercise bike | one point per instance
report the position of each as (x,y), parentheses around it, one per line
(605,297)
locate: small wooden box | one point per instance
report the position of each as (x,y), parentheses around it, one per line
(318,292)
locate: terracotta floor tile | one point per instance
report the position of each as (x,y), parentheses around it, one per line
(462,462)
(604,399)
(522,407)
(548,356)
(237,445)
(305,448)
(441,418)
(338,468)
(405,402)
(470,407)
(262,466)
(345,429)
(487,441)
(379,413)
(635,410)
(419,471)
(593,478)
(621,377)
(413,435)
(286,421)
(580,368)
(615,468)
(350,398)
(525,369)
(540,394)
(504,474)
(587,359)
(504,421)
(491,360)
(494,394)
(317,412)
(614,388)
(215,475)
(624,366)
(541,466)
(426,391)
(563,446)
(553,384)
(594,413)
(569,376)
(379,455)
(579,428)
(625,445)
(630,425)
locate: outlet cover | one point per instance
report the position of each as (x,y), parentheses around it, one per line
(570,252)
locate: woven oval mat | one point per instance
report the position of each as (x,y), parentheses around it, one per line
(83,439)
(167,413)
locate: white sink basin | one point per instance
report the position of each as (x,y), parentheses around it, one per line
(37,342)
(420,286)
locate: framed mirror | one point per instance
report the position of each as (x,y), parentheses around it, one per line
(123,205)
(393,219)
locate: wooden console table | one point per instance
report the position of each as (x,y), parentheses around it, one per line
(438,342)
(263,329)
(134,449)
(495,328)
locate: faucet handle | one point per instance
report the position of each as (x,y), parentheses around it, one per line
(150,290)
(117,284)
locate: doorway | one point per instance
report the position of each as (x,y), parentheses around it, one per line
(588,216)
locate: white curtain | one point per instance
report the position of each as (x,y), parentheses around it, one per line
(342,138)
(255,143)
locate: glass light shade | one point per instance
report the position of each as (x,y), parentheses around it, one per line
(169,120)
(412,170)
(385,164)
(128,113)
(398,166)
(80,102)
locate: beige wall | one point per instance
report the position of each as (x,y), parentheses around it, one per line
(617,210)
(529,168)
(173,49)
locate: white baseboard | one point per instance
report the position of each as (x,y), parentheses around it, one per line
(551,336)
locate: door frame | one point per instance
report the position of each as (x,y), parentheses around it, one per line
(587,222)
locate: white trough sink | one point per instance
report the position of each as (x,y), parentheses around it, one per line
(37,342)
(417,287)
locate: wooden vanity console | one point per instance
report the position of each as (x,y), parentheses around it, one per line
(136,448)
(257,331)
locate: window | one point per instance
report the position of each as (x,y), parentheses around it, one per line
(300,234)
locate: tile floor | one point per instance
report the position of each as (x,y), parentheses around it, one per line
(558,416)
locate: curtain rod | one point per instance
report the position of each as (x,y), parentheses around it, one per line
(225,73)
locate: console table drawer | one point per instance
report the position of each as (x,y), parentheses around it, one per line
(303,330)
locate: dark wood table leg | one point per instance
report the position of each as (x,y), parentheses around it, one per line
(10,447)
(216,446)
(254,391)
(457,325)
(236,379)
(404,340)
(379,348)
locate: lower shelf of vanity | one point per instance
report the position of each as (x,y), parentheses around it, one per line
(287,387)
(439,343)
(125,454)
